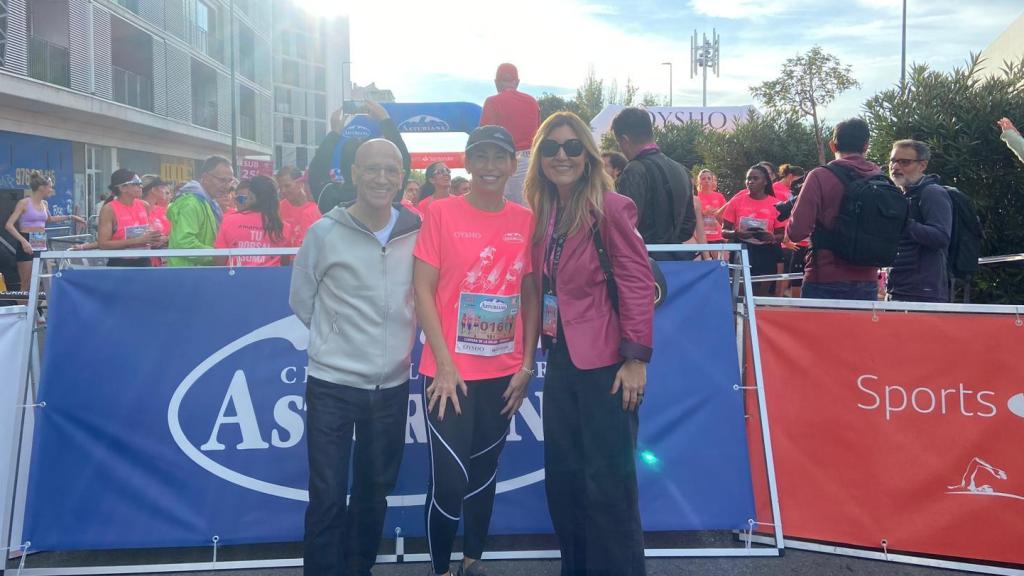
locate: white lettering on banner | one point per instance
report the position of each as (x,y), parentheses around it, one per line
(245,417)
(924,400)
(290,420)
(238,417)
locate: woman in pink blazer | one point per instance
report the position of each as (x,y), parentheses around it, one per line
(597,333)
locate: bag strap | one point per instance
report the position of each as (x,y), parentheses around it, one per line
(606,266)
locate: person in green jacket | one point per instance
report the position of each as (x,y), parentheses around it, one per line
(1012,137)
(194,213)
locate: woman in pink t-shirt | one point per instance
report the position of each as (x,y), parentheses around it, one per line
(752,219)
(124,220)
(479,308)
(256,225)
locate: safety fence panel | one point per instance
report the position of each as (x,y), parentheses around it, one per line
(174,413)
(897,431)
(14,327)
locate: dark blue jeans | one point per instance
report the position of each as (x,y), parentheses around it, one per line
(343,539)
(841,290)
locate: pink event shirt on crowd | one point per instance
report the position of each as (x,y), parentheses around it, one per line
(245,230)
(299,217)
(129,221)
(745,213)
(481,257)
(710,203)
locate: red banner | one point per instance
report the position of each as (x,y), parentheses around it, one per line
(255,167)
(903,427)
(420,160)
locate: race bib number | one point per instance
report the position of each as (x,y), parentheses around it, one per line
(550,318)
(136,231)
(37,240)
(751,223)
(710,222)
(487,324)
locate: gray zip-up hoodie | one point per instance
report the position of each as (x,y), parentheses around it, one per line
(356,298)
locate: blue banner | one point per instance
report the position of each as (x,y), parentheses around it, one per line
(413,117)
(21,154)
(174,413)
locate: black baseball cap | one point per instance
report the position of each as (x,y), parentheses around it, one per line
(493,135)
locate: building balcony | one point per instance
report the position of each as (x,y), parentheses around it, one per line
(133,89)
(49,62)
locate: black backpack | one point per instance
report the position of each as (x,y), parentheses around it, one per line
(966,238)
(872,215)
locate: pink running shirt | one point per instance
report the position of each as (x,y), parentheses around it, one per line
(245,230)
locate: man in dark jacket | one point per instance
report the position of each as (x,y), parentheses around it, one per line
(919,273)
(330,191)
(659,186)
(826,275)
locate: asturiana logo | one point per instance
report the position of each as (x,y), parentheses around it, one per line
(424,123)
(493,305)
(357,131)
(264,425)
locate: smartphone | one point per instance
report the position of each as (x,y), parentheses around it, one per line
(352,106)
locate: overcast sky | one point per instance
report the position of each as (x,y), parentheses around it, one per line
(448,49)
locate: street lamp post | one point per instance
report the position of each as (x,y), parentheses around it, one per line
(669,64)
(234,88)
(903,51)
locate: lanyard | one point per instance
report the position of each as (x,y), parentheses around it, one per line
(554,253)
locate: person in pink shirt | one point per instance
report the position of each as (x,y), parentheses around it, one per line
(295,207)
(480,310)
(157,194)
(437,187)
(257,224)
(125,222)
(712,202)
(752,219)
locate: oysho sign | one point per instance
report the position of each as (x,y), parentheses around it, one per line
(724,118)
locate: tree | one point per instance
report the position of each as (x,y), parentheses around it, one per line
(589,99)
(808,82)
(955,114)
(550,103)
(650,99)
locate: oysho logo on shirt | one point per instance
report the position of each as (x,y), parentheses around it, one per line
(465,235)
(513,238)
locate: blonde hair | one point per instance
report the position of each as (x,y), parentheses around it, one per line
(587,199)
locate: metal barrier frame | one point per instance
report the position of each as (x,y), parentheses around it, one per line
(744,308)
(880,306)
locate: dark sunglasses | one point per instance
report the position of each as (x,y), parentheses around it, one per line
(573,148)
(441,172)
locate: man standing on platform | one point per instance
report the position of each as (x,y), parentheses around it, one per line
(352,287)
(518,113)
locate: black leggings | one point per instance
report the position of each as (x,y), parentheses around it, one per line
(464,451)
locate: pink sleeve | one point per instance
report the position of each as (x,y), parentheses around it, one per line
(488,116)
(730,211)
(632,270)
(428,242)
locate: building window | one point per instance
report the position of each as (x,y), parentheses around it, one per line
(300,157)
(319,78)
(132,5)
(321,132)
(282,100)
(131,53)
(204,95)
(48,54)
(320,106)
(288,130)
(246,52)
(303,131)
(204,30)
(289,73)
(247,113)
(3,32)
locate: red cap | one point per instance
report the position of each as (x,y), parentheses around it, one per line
(507,71)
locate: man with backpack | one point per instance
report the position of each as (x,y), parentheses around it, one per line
(920,273)
(659,186)
(848,244)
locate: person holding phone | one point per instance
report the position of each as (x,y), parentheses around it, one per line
(752,219)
